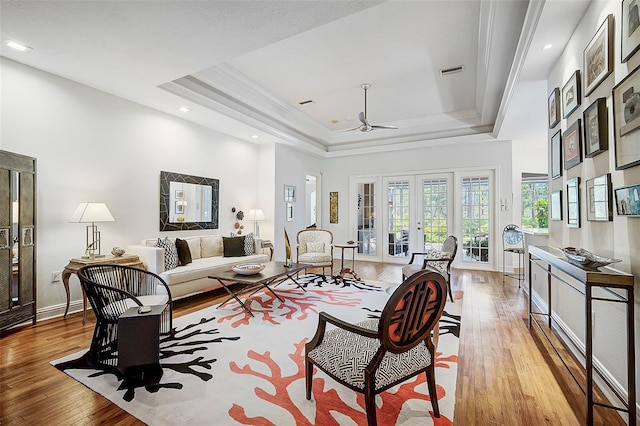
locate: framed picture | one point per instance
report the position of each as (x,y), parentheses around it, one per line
(179,193)
(179,207)
(333,207)
(556,205)
(573,145)
(556,155)
(27,236)
(626,120)
(573,202)
(289,193)
(628,201)
(571,96)
(4,238)
(597,60)
(596,128)
(554,108)
(630,29)
(289,208)
(599,198)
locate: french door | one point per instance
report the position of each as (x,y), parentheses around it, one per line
(416,214)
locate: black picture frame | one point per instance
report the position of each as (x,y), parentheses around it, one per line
(626,120)
(597,58)
(571,94)
(596,128)
(599,199)
(628,201)
(555,205)
(553,108)
(555,151)
(573,202)
(166,206)
(572,142)
(630,29)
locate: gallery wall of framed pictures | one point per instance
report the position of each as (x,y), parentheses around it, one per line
(588,106)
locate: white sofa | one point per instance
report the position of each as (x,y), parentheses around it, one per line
(207,258)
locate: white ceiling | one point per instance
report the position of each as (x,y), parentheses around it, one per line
(243,67)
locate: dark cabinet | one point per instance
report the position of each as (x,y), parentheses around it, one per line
(17,239)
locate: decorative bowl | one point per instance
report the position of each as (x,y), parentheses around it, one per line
(586,259)
(248,269)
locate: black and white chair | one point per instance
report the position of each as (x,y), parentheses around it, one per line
(375,355)
(437,260)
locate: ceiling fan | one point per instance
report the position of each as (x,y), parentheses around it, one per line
(366,126)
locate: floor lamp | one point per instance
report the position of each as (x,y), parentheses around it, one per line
(255,215)
(92,213)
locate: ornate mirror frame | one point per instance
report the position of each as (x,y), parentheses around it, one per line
(165,200)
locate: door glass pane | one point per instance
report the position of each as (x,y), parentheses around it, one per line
(434,212)
(398,226)
(475,219)
(366,218)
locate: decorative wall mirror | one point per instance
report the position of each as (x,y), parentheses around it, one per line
(188,202)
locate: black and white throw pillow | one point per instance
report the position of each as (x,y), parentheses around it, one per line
(170,253)
(249,246)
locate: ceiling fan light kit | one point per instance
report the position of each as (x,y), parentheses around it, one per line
(366,126)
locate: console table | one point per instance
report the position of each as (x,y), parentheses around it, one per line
(75,264)
(585,280)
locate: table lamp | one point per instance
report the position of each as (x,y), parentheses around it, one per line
(92,213)
(255,215)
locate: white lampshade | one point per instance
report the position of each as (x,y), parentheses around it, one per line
(91,212)
(255,214)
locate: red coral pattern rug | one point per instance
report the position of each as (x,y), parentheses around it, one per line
(225,367)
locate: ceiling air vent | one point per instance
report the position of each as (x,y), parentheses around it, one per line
(453,70)
(306,102)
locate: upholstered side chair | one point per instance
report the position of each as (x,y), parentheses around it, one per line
(438,260)
(315,247)
(375,355)
(112,290)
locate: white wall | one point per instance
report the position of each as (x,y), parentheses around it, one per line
(618,238)
(91,146)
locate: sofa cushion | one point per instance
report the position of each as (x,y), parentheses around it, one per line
(194,247)
(232,246)
(249,245)
(170,252)
(184,254)
(202,268)
(211,246)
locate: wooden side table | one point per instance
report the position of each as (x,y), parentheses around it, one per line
(75,264)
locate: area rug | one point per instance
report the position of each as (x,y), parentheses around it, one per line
(225,367)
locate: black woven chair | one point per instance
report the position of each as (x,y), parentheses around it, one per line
(112,290)
(436,260)
(375,355)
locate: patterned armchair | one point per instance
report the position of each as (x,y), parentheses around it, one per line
(435,260)
(315,247)
(377,354)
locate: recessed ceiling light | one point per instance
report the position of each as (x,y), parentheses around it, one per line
(334,121)
(184,109)
(547,46)
(254,136)
(18,46)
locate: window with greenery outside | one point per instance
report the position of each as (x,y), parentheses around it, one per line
(535,193)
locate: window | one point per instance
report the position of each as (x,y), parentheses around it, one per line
(398,197)
(435,212)
(366,218)
(475,219)
(535,191)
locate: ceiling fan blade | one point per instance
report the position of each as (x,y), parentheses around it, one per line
(350,130)
(383,127)
(363,118)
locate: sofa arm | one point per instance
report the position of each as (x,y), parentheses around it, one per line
(152,257)
(257,245)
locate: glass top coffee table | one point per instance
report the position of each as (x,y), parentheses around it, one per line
(274,273)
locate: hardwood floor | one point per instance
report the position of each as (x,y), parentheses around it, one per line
(504,378)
